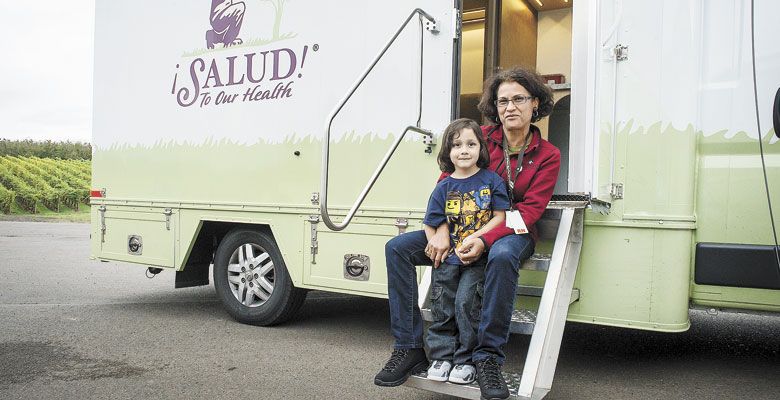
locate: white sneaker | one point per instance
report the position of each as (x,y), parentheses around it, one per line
(463,374)
(439,370)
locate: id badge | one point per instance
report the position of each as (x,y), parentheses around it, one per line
(515,221)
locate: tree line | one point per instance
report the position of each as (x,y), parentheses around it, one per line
(66,150)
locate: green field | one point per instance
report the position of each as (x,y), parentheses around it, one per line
(48,188)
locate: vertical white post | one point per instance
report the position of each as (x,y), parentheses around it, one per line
(551,317)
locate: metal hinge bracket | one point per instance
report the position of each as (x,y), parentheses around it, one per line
(600,206)
(429,143)
(432,26)
(168,212)
(314,220)
(102,210)
(620,52)
(401,224)
(616,190)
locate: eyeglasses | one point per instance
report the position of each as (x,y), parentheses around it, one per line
(517,101)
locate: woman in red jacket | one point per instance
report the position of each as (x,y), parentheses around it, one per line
(512,100)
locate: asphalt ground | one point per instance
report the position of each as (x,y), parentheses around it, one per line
(72,328)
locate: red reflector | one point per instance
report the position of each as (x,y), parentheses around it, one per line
(96,193)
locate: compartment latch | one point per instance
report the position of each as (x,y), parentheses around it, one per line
(314,220)
(102,210)
(401,224)
(168,212)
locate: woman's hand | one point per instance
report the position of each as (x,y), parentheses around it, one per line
(438,245)
(470,249)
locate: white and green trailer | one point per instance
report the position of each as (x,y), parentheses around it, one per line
(285,142)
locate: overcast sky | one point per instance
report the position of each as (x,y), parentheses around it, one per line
(46,69)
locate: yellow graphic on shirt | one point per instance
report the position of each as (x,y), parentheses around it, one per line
(467,213)
(452,206)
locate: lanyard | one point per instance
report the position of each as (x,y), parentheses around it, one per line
(512,177)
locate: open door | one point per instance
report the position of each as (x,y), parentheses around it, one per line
(387,99)
(594,73)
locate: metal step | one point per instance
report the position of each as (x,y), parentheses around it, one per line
(470,391)
(563,224)
(536,291)
(523,322)
(537,262)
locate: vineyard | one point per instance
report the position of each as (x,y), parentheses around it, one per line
(34,185)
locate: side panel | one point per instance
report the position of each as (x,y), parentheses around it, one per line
(165,128)
(234,133)
(677,130)
(732,206)
(767,61)
(633,277)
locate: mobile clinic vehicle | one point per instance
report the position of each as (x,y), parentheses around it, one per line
(253,133)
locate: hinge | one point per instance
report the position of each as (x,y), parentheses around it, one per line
(429,143)
(457,23)
(616,191)
(620,52)
(102,210)
(314,220)
(168,212)
(401,224)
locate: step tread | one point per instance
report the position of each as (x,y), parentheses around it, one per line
(523,321)
(537,262)
(470,391)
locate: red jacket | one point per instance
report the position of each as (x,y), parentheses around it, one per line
(535,183)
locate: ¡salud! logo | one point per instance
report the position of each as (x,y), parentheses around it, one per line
(249,76)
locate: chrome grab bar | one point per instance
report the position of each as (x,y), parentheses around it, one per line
(326,140)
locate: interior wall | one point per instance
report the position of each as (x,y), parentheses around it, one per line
(554,42)
(472,56)
(518,35)
(554,50)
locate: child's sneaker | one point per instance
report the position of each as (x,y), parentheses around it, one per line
(463,374)
(439,370)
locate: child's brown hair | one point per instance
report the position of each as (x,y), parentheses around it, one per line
(451,133)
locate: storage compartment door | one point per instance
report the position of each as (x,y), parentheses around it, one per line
(352,259)
(143,237)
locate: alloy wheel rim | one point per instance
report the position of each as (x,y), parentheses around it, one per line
(251,275)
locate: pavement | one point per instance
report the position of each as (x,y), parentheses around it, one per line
(73,328)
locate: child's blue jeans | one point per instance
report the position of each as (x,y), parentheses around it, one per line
(456,304)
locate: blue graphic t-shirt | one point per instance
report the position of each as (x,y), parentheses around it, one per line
(466,205)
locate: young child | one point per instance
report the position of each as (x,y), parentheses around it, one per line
(471,200)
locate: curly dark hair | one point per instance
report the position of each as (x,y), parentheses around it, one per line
(529,79)
(451,133)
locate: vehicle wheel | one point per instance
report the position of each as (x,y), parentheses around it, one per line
(252,281)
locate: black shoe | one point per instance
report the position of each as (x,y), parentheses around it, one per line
(491,381)
(402,363)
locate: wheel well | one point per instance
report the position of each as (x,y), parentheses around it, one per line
(196,267)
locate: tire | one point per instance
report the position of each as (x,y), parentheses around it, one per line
(254,290)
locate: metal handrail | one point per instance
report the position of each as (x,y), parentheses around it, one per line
(326,140)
